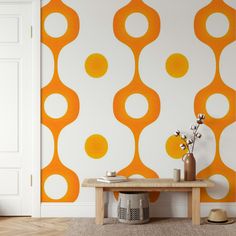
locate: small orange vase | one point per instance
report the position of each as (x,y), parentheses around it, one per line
(189,167)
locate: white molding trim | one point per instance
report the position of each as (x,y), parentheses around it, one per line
(18,1)
(83,209)
(36,119)
(87,209)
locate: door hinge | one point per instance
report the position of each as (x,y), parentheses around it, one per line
(31,31)
(31,180)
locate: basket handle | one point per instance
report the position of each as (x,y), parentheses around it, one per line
(141,209)
(128,209)
(118,209)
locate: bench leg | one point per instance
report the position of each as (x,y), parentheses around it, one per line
(189,204)
(196,206)
(99,206)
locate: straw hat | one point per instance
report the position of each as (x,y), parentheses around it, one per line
(218,216)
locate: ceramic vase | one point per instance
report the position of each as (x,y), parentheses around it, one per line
(189,167)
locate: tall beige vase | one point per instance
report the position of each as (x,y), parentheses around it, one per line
(189,167)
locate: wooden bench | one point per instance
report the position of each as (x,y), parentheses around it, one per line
(151,185)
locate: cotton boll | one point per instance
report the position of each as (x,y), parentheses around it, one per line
(182,146)
(189,141)
(198,135)
(177,133)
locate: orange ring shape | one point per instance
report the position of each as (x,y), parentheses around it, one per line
(217,44)
(136,124)
(136,44)
(56,125)
(57,168)
(218,167)
(56,44)
(138,168)
(216,124)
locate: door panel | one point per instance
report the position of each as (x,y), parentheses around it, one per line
(15,109)
(9,29)
(9,91)
(12,186)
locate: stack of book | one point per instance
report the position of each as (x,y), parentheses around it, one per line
(116,179)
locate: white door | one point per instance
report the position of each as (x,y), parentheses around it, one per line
(15,109)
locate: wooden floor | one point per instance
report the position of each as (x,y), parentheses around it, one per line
(26,226)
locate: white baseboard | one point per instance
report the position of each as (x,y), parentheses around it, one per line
(83,209)
(230,208)
(87,209)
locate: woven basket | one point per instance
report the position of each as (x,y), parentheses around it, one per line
(133,207)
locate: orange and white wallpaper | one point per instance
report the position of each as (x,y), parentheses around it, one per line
(120,76)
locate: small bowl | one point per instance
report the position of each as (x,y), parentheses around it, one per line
(111,173)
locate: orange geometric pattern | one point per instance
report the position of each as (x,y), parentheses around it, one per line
(217,86)
(177,66)
(56,167)
(136,44)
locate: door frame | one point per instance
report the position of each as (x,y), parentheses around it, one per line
(36,125)
(36,103)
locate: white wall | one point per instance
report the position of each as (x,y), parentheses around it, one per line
(95,114)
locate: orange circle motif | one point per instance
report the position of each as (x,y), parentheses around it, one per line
(177,65)
(173,147)
(96,65)
(96,146)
